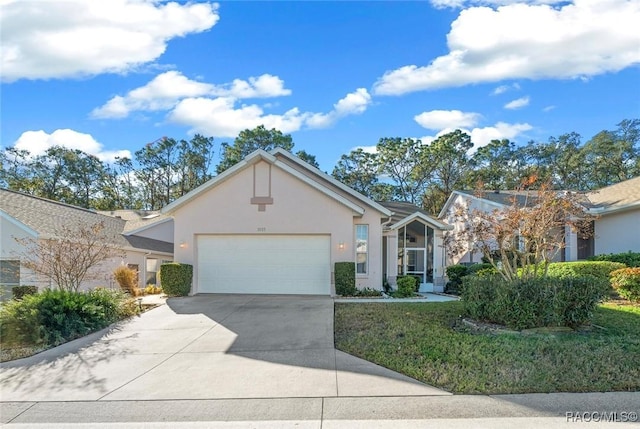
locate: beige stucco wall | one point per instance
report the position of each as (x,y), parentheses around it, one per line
(297,208)
(617,232)
(162,231)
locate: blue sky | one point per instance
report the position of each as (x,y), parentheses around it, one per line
(109,77)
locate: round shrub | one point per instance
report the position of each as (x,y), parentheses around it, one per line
(176,278)
(406,286)
(626,281)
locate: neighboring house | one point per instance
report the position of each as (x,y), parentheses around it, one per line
(145,239)
(273,224)
(616,227)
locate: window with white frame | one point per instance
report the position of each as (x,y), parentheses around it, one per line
(151,277)
(362,249)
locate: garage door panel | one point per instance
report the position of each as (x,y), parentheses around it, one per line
(270,264)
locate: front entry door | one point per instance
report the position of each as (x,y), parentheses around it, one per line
(416,264)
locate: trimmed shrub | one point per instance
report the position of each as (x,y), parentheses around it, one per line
(630,259)
(126,278)
(21,291)
(455,273)
(56,316)
(532,303)
(599,269)
(406,286)
(484,268)
(626,281)
(176,278)
(345,278)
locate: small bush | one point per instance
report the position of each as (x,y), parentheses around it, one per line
(455,273)
(126,278)
(20,291)
(176,278)
(626,281)
(55,316)
(599,269)
(406,287)
(345,278)
(532,303)
(630,259)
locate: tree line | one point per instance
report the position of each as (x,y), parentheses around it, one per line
(403,169)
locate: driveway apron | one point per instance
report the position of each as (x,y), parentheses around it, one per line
(208,347)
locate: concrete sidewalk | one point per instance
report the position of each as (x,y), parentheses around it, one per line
(464,411)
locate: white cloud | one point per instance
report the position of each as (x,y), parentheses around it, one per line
(440,4)
(516,41)
(368,149)
(167,89)
(264,86)
(517,103)
(439,119)
(483,136)
(221,117)
(71,38)
(504,88)
(353,103)
(501,130)
(548,108)
(37,143)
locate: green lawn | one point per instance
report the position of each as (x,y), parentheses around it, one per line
(418,339)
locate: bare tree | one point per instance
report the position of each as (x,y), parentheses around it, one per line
(524,237)
(71,256)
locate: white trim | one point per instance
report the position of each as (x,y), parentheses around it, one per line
(355,250)
(608,210)
(333,181)
(144,227)
(17,223)
(423,217)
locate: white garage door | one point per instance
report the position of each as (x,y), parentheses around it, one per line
(269,264)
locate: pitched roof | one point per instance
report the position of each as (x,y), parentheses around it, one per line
(327,186)
(137,219)
(47,217)
(616,197)
(506,197)
(407,211)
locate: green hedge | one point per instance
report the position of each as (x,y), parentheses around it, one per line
(630,259)
(55,316)
(626,281)
(345,278)
(176,278)
(599,269)
(20,291)
(417,281)
(406,286)
(539,302)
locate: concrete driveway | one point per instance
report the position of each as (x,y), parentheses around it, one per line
(208,347)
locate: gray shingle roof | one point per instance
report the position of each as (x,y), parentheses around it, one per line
(136,219)
(616,196)
(47,217)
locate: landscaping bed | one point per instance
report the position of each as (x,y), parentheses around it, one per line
(428,342)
